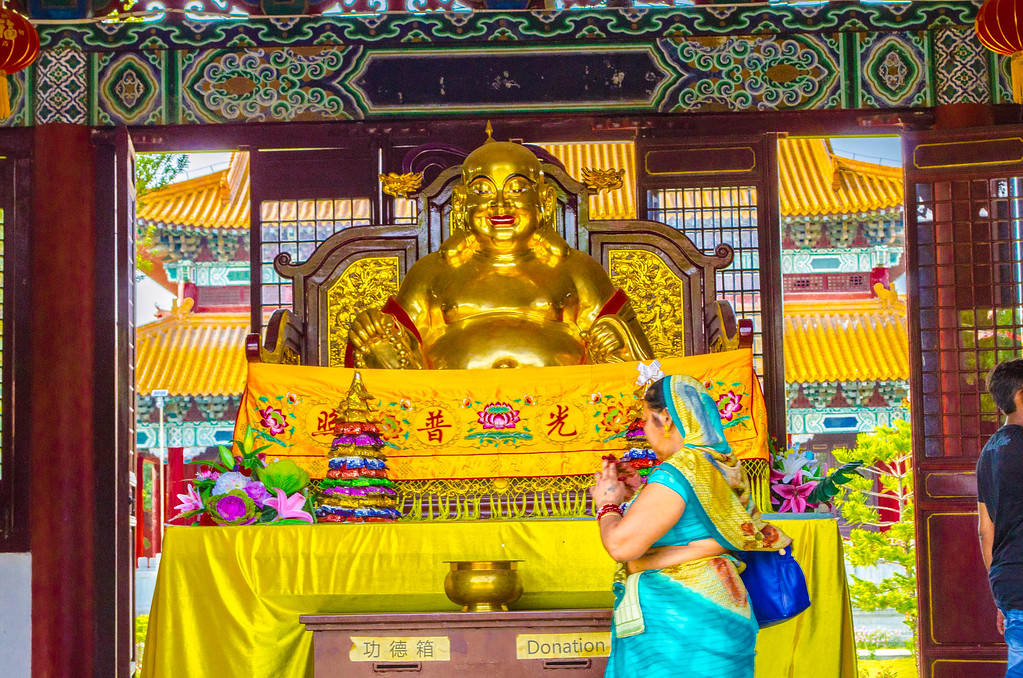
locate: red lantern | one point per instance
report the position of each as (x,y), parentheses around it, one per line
(19,47)
(998,31)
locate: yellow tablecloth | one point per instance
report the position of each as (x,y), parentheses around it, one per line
(227,599)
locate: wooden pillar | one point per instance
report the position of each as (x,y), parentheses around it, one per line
(61,399)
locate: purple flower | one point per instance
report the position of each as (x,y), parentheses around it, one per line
(257,493)
(498,416)
(231,507)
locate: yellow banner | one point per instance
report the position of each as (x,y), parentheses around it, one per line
(562,645)
(447,424)
(400,648)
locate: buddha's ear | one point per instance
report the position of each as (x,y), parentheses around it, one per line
(548,197)
(456,220)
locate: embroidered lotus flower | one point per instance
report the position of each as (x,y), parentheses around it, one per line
(498,416)
(292,398)
(615,417)
(391,425)
(273,419)
(729,404)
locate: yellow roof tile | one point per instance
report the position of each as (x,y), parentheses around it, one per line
(616,204)
(845,341)
(814,181)
(192,354)
(216,201)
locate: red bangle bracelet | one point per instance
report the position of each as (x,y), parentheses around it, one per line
(609,508)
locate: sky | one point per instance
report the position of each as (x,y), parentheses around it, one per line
(148,294)
(882,150)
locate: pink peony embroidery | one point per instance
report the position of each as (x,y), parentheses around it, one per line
(498,416)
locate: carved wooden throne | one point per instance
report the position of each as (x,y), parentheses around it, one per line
(669,280)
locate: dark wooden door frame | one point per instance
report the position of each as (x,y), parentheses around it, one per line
(956,241)
(114,395)
(723,162)
(15,200)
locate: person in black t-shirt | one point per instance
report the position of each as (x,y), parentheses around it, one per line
(1000,507)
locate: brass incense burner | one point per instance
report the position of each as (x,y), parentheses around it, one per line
(483,585)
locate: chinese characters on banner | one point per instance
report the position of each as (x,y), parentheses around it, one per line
(448,424)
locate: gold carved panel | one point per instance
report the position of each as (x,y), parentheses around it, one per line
(366,283)
(657,296)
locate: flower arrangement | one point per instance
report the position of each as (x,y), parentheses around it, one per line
(243,489)
(799,484)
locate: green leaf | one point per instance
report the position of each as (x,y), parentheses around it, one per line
(285,475)
(828,487)
(226,458)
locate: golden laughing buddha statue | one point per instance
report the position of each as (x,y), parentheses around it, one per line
(504,290)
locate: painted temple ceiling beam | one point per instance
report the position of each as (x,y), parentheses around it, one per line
(708,59)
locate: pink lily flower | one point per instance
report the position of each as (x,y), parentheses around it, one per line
(795,496)
(189,502)
(288,507)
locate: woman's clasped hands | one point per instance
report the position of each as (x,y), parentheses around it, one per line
(607,487)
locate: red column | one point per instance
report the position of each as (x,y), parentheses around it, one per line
(62,266)
(174,474)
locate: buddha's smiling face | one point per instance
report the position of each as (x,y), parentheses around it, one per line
(502,196)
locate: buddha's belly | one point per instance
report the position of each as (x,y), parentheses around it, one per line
(498,340)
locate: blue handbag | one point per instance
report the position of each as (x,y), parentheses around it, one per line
(776,585)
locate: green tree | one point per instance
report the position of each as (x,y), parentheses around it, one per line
(156,170)
(153,171)
(882,536)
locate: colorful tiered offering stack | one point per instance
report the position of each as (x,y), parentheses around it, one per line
(357,488)
(639,456)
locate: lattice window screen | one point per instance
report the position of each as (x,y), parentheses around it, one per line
(709,217)
(406,211)
(971,311)
(298,227)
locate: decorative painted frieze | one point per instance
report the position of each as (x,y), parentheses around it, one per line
(760,57)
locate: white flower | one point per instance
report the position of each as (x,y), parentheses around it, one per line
(792,463)
(230,481)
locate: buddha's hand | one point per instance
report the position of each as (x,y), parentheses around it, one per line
(605,342)
(379,341)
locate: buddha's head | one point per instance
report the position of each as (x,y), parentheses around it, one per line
(504,202)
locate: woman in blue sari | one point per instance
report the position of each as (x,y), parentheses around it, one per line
(680,606)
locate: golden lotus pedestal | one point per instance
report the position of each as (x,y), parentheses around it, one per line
(518,644)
